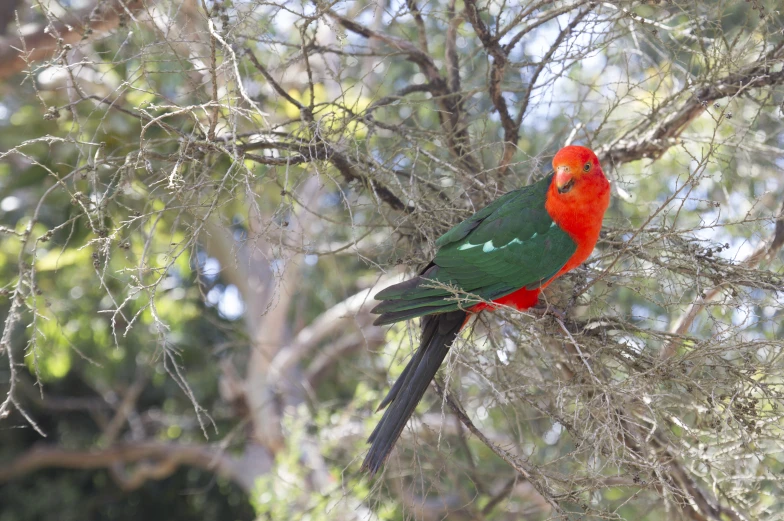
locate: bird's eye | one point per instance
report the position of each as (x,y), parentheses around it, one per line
(587,167)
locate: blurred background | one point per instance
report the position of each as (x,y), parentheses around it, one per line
(198,200)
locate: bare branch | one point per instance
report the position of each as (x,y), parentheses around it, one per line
(662,128)
(500,55)
(682,325)
(356,308)
(511,131)
(565,33)
(450,55)
(162,459)
(128,403)
(421,30)
(452,120)
(528,472)
(36,43)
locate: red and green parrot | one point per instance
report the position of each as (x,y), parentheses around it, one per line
(505,253)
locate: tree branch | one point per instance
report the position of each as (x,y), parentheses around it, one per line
(160,460)
(324,149)
(682,325)
(543,63)
(40,42)
(523,468)
(356,308)
(125,408)
(420,23)
(494,49)
(451,118)
(660,130)
(500,56)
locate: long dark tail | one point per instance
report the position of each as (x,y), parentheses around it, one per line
(438,333)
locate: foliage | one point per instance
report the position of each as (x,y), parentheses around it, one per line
(199,199)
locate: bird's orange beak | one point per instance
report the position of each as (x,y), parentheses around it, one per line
(563,179)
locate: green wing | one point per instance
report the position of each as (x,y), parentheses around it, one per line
(510,244)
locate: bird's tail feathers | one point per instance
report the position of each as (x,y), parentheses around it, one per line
(438,333)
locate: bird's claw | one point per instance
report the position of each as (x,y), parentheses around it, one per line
(542,310)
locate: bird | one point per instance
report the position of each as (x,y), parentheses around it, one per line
(503,255)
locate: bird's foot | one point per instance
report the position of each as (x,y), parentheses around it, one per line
(542,310)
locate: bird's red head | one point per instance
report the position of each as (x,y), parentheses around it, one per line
(579,193)
(575,166)
(577,199)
